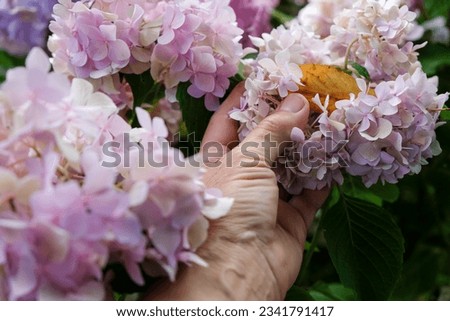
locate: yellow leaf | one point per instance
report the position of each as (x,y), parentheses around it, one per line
(326,80)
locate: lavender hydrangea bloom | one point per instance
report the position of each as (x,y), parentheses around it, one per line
(380,35)
(24,24)
(383,132)
(253,17)
(318,15)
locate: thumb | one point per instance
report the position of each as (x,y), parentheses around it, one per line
(267,141)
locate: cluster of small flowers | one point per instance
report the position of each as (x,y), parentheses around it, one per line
(179,41)
(93,39)
(382,133)
(378,34)
(276,71)
(60,225)
(24,24)
(253,16)
(318,15)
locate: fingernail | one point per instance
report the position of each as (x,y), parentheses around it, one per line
(293,103)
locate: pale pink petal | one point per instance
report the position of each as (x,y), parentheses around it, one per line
(144,118)
(38,59)
(119,51)
(159,127)
(204,82)
(97,50)
(109,32)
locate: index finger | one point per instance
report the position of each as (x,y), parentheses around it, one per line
(222,130)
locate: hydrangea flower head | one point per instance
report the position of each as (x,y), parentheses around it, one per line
(378,36)
(199,43)
(61,226)
(253,17)
(380,132)
(179,41)
(89,42)
(24,24)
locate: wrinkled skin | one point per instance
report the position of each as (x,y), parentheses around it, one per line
(255,251)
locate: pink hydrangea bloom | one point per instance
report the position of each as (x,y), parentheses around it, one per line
(179,41)
(152,186)
(281,52)
(89,42)
(379,34)
(70,115)
(60,225)
(380,135)
(318,15)
(199,43)
(253,17)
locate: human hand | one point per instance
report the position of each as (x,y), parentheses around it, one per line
(255,251)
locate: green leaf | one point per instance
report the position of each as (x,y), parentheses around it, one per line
(297,293)
(145,89)
(331,292)
(361,71)
(195,115)
(435,8)
(376,194)
(445,114)
(387,192)
(433,57)
(308,247)
(280,17)
(333,198)
(7,62)
(420,274)
(443,280)
(365,246)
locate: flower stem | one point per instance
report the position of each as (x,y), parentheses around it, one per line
(347,53)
